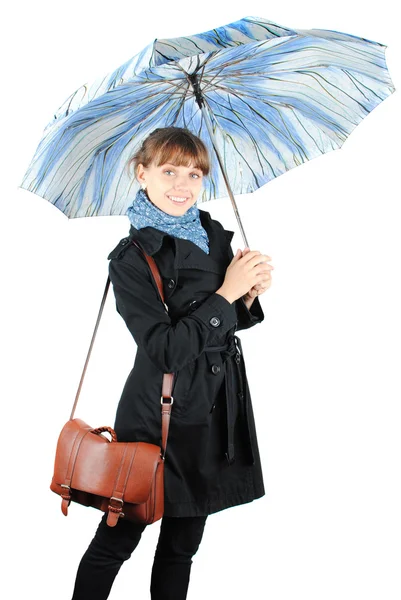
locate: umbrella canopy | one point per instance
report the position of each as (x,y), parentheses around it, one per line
(266,97)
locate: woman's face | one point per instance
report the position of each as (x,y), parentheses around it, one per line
(168,182)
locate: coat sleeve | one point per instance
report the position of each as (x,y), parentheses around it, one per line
(248,318)
(169,346)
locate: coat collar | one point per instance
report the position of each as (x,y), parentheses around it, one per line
(187,253)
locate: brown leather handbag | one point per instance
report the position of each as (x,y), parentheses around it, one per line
(125,479)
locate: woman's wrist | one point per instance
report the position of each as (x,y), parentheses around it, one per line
(246,297)
(223,293)
(248,300)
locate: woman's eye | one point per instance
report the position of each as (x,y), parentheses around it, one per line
(170,171)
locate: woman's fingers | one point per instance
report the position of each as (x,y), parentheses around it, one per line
(264,270)
(264,284)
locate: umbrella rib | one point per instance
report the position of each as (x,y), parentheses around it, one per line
(233,142)
(79,160)
(182,98)
(353,79)
(267,121)
(174,47)
(271,102)
(329,51)
(257,149)
(307,133)
(210,82)
(331,95)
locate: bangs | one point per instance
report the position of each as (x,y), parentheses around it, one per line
(182,152)
(175,145)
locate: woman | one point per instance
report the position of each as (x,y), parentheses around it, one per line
(212,459)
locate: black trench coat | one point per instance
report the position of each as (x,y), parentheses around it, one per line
(212,458)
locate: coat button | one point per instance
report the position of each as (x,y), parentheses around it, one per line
(192,306)
(215,369)
(171,283)
(215,321)
(124,241)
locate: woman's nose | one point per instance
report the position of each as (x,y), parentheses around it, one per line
(182,181)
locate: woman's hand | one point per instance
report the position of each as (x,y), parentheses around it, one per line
(259,288)
(245,275)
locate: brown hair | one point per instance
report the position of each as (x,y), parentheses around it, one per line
(171,144)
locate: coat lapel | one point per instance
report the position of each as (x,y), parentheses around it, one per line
(189,255)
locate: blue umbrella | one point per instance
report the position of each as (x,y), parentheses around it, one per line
(263,98)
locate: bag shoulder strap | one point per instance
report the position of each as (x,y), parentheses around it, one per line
(168,378)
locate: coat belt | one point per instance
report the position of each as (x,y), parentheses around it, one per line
(234,369)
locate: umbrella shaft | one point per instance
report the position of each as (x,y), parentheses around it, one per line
(201,103)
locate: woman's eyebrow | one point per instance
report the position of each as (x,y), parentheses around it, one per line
(171,165)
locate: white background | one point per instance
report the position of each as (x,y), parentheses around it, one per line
(323,367)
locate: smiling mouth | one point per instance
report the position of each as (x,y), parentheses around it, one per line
(178,199)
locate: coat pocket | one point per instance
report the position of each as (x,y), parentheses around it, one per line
(182,384)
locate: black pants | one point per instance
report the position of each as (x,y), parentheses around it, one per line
(179,540)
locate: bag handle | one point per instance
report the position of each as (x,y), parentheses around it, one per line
(168,378)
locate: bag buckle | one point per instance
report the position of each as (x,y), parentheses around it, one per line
(115,509)
(118,499)
(67,495)
(161,400)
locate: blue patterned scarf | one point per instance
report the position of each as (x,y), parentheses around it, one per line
(143,213)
